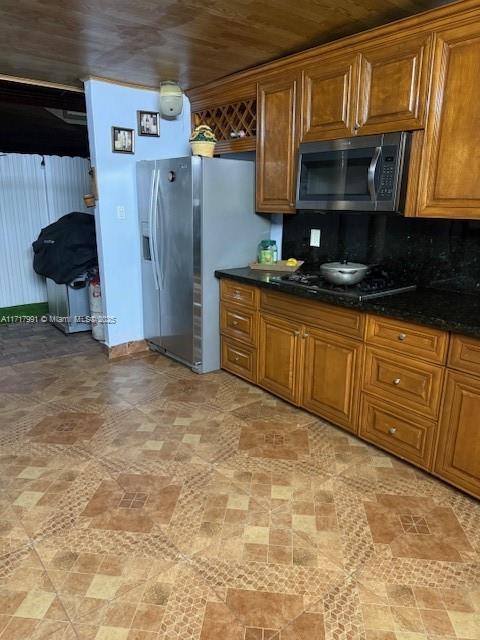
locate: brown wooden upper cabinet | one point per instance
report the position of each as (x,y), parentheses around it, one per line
(328,98)
(393,86)
(449,186)
(383,88)
(277,137)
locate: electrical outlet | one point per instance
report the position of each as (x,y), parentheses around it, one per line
(315,237)
(121,212)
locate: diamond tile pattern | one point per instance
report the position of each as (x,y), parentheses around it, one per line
(139,501)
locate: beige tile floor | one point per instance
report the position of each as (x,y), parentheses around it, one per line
(140,501)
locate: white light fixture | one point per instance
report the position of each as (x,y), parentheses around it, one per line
(171,99)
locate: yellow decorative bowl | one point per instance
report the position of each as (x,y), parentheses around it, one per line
(203,148)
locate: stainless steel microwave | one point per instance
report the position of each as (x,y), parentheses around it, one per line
(365,173)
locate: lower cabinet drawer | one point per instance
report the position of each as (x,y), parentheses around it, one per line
(465,354)
(407,338)
(403,433)
(239,359)
(409,383)
(232,291)
(238,323)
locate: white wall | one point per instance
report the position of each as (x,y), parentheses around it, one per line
(32,195)
(67,181)
(119,239)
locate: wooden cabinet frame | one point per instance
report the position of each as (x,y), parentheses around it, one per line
(457,457)
(336,395)
(330,85)
(276,373)
(351,379)
(360,97)
(448,184)
(277,141)
(402,66)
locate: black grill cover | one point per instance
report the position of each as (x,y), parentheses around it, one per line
(66,248)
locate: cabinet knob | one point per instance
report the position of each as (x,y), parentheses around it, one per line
(392,430)
(235,323)
(236,358)
(402,336)
(305,335)
(396,381)
(296,333)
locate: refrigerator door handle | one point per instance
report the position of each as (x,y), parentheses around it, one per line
(163,244)
(151,226)
(156,269)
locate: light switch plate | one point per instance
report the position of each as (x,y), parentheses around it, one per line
(315,237)
(121,212)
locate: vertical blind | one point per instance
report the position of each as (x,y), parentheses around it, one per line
(34,191)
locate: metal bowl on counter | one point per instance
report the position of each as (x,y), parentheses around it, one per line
(343,273)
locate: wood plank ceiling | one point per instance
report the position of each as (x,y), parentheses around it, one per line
(192,41)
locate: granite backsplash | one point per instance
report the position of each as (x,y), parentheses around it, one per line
(429,252)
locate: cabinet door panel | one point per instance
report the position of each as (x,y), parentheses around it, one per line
(278,356)
(329,97)
(331,377)
(348,322)
(276,144)
(458,451)
(394,86)
(449,185)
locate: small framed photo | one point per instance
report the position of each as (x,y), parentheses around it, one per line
(148,123)
(123,140)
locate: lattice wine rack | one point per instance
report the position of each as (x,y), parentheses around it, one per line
(234,125)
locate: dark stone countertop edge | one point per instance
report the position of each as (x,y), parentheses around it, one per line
(402,306)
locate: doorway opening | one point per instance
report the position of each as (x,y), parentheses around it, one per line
(44,174)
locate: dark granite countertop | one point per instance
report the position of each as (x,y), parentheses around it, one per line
(449,310)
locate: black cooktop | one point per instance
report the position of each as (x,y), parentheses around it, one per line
(377,283)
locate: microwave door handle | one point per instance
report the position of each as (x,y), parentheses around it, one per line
(372,169)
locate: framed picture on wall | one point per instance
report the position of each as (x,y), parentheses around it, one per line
(123,140)
(148,123)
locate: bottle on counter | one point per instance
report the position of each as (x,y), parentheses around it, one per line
(275,250)
(267,252)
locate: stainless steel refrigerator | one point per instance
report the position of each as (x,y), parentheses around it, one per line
(196,215)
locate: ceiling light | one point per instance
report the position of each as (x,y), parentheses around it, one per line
(171,99)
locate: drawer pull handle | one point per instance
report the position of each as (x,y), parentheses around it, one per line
(396,381)
(402,336)
(392,431)
(296,333)
(236,358)
(305,335)
(237,295)
(235,323)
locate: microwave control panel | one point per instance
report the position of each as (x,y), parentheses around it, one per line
(388,173)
